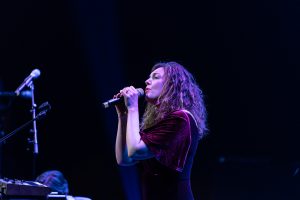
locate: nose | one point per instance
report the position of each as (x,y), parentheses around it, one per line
(148,81)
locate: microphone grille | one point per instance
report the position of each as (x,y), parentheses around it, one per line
(35,73)
(141,92)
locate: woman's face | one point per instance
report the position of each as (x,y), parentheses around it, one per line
(154,85)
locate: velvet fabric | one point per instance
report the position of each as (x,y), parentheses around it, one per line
(174,142)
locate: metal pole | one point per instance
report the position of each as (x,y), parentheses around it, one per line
(34,130)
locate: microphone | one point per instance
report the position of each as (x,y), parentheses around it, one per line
(33,75)
(24,94)
(115,101)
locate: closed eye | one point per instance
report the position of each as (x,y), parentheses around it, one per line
(155,76)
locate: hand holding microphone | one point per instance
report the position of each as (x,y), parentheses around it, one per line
(131,96)
(127,95)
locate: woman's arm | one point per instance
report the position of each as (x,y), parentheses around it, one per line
(121,147)
(121,152)
(129,147)
(137,149)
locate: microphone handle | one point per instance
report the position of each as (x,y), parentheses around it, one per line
(111,102)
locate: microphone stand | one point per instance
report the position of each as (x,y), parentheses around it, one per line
(34,130)
(44,108)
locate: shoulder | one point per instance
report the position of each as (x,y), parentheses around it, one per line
(183,114)
(178,113)
(175,118)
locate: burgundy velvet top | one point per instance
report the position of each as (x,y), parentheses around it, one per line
(174,142)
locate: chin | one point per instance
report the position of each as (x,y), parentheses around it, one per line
(150,100)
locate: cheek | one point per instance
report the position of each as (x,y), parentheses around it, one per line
(156,90)
(160,88)
(154,94)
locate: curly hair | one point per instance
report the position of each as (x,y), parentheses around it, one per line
(180,91)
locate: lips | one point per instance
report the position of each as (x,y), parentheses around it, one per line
(147,90)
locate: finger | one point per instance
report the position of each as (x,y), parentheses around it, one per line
(133,90)
(124,90)
(127,90)
(127,93)
(117,95)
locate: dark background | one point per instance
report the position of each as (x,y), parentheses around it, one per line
(244,55)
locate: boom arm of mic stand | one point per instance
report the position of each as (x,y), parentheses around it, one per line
(39,116)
